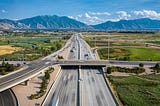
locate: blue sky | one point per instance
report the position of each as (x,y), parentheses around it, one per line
(87,11)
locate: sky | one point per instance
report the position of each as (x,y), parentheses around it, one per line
(88,11)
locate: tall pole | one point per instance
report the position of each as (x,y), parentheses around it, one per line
(95,41)
(108,45)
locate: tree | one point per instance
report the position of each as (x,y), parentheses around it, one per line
(58,45)
(3,63)
(47,75)
(9,67)
(109,70)
(141,64)
(3,72)
(8,41)
(53,48)
(47,41)
(157,66)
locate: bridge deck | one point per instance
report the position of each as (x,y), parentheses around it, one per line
(83,63)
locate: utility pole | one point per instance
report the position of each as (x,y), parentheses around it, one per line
(108,45)
(95,41)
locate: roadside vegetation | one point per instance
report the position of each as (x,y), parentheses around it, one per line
(44,85)
(156,68)
(127,46)
(135,70)
(137,90)
(6,68)
(29,46)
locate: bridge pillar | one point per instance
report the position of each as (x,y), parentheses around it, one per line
(26,82)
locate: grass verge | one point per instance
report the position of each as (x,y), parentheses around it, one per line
(137,90)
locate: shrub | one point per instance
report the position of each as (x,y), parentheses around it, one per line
(32,96)
(60,57)
(109,70)
(47,75)
(136,70)
(3,72)
(157,66)
(141,64)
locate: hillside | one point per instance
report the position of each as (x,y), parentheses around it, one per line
(43,22)
(137,24)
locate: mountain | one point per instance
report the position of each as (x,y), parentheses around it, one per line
(43,22)
(10,24)
(56,22)
(137,24)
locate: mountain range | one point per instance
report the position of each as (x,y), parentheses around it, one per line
(56,22)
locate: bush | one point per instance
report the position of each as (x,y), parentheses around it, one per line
(141,64)
(157,66)
(109,70)
(47,75)
(32,96)
(3,72)
(60,57)
(136,70)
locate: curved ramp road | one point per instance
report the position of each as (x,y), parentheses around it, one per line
(7,98)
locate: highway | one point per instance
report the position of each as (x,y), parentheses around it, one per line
(94,91)
(74,86)
(64,91)
(80,86)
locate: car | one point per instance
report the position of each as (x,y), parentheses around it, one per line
(56,62)
(71,50)
(86,55)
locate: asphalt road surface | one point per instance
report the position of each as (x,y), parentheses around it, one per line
(64,92)
(7,98)
(93,88)
(83,86)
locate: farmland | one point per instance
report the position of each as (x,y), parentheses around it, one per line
(30,46)
(126,46)
(8,49)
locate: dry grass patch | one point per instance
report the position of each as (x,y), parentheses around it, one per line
(8,49)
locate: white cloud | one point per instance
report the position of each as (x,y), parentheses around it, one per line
(92,19)
(3,11)
(80,15)
(99,13)
(71,17)
(123,15)
(148,14)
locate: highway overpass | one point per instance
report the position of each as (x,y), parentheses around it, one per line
(102,63)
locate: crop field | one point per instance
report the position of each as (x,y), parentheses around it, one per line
(137,90)
(8,49)
(130,54)
(22,46)
(126,46)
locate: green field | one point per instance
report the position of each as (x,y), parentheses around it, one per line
(33,46)
(138,90)
(126,46)
(121,39)
(131,54)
